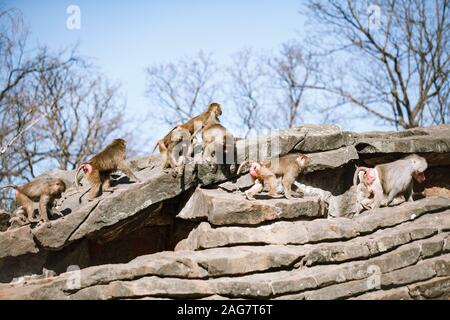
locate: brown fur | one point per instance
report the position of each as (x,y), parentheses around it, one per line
(216,137)
(364,191)
(395,179)
(288,167)
(44,191)
(107,161)
(188,129)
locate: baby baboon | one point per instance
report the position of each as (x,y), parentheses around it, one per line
(42,190)
(288,167)
(364,191)
(185,133)
(180,144)
(98,170)
(216,138)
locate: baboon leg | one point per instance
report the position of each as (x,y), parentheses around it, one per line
(287,185)
(43,207)
(190,150)
(96,185)
(256,188)
(164,159)
(27,205)
(390,197)
(125,169)
(208,152)
(95,191)
(272,181)
(408,193)
(106,186)
(173,163)
(181,161)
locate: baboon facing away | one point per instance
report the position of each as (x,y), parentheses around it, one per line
(98,170)
(288,167)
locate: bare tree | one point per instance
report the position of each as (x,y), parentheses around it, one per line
(53,108)
(82,112)
(182,89)
(292,72)
(398,57)
(248,89)
(13,65)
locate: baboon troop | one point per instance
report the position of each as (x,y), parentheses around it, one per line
(374,187)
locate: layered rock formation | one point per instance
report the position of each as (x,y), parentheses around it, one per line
(196,236)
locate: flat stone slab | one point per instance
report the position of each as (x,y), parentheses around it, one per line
(301,232)
(224,208)
(420,140)
(317,271)
(17,242)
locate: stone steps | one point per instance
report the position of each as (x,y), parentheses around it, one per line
(302,232)
(233,248)
(399,267)
(436,288)
(220,207)
(401,252)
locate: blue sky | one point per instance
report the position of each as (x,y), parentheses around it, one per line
(124,37)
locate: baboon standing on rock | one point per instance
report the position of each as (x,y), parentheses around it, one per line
(216,138)
(185,133)
(288,167)
(389,180)
(98,170)
(44,191)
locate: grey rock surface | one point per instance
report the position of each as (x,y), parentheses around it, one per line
(197,236)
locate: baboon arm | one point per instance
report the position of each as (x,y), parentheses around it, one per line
(27,205)
(256,188)
(106,186)
(125,169)
(43,206)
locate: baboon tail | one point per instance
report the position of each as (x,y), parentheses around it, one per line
(10,186)
(242,164)
(76,176)
(155,148)
(355,175)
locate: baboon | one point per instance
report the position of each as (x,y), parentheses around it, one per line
(98,170)
(185,133)
(216,138)
(396,178)
(364,190)
(288,167)
(42,190)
